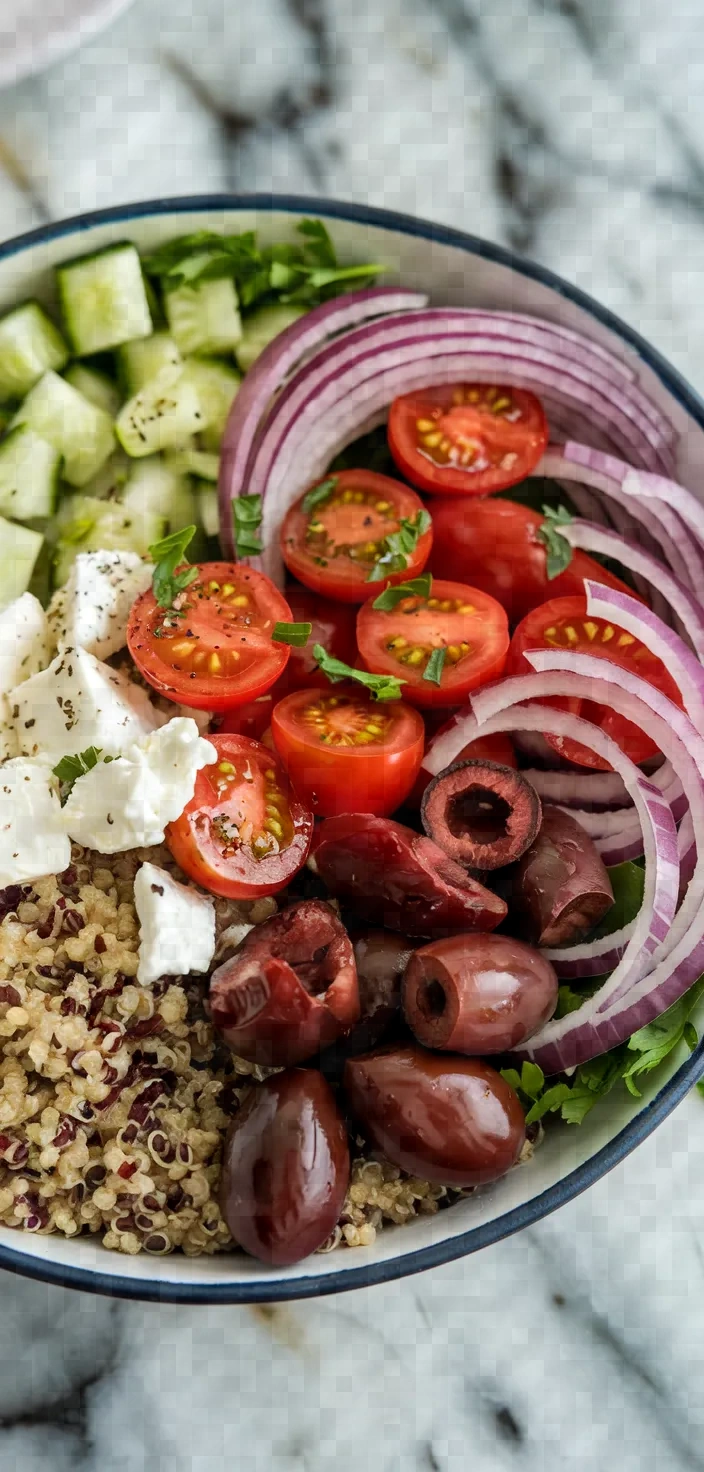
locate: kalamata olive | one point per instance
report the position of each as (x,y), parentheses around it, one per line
(400,879)
(478,993)
(495,748)
(562,886)
(481,813)
(286,1167)
(381,959)
(447,1119)
(290,989)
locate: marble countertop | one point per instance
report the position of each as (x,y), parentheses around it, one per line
(574,131)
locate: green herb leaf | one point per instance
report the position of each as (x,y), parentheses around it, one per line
(318,245)
(318,494)
(654,1042)
(168,554)
(246,521)
(295,634)
(568,1001)
(628,884)
(434,668)
(559,551)
(70,768)
(548,1103)
(382,687)
(399,546)
(417,588)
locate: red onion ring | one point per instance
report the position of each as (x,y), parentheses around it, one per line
(272,367)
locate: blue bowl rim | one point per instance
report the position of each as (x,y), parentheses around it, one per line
(637,1130)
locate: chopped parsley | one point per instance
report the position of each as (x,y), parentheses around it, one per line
(399,546)
(559,551)
(246,521)
(70,768)
(168,555)
(434,668)
(294,634)
(417,588)
(382,687)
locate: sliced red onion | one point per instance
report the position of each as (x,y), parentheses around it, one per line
(636,492)
(609,544)
(276,362)
(636,619)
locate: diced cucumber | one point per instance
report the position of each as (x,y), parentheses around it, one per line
(217,386)
(87,525)
(82,433)
(109,482)
(208,512)
(140,361)
(155,488)
(30,344)
(162,415)
(194,462)
(96,387)
(260,329)
(19,549)
(29,475)
(103,299)
(204,318)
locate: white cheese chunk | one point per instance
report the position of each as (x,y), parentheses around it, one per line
(79,702)
(177,926)
(9,745)
(129,802)
(92,609)
(24,641)
(33,837)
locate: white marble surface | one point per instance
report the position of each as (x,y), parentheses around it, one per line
(574,130)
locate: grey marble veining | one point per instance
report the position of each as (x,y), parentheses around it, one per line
(574,131)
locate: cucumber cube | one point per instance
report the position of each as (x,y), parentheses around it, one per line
(82,433)
(261,328)
(29,475)
(96,387)
(161,416)
(30,344)
(217,385)
(104,300)
(204,318)
(19,549)
(141,361)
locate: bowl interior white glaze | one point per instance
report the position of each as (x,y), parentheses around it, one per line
(454,269)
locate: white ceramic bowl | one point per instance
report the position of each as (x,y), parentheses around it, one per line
(455,269)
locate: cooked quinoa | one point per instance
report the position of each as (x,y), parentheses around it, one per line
(115,1098)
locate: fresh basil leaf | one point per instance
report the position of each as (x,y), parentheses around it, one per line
(168,554)
(318,245)
(318,494)
(434,668)
(295,634)
(382,687)
(399,546)
(417,588)
(246,521)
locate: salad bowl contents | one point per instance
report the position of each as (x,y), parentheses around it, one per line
(352,728)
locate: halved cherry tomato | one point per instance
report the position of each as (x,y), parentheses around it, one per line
(469,626)
(494,545)
(333,547)
(467,439)
(347,753)
(214,649)
(563,624)
(244,833)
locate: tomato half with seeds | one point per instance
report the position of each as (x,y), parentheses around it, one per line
(467,439)
(244,833)
(332,544)
(494,545)
(347,753)
(563,623)
(443,645)
(213,650)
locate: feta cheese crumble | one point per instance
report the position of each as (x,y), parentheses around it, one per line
(129,802)
(33,837)
(92,609)
(177,926)
(24,641)
(79,702)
